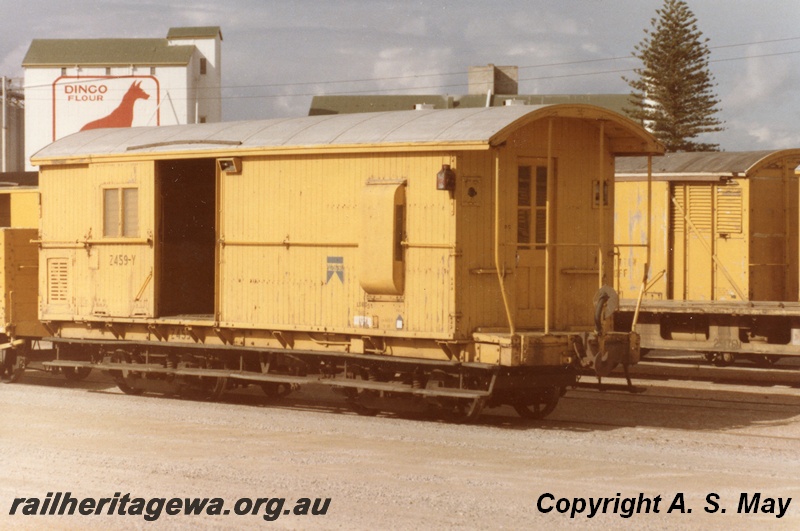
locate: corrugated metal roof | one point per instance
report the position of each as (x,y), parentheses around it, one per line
(196,32)
(483,126)
(720,163)
(105,52)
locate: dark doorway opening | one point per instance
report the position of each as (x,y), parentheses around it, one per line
(187,234)
(5,210)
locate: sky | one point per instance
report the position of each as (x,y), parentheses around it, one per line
(277,54)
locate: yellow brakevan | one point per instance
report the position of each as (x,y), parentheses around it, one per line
(388,252)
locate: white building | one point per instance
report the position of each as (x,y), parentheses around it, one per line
(78,84)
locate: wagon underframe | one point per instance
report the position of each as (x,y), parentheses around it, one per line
(722,330)
(370,382)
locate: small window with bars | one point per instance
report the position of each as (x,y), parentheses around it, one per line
(121,212)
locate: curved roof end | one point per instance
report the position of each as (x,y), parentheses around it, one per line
(627,138)
(778,158)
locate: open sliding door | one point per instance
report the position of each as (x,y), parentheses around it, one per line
(186,237)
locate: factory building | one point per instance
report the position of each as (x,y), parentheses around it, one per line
(73,85)
(488,86)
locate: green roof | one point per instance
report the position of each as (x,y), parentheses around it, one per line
(105,52)
(197,32)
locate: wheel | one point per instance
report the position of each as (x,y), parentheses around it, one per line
(275,390)
(75,374)
(126,382)
(10,371)
(545,401)
(126,379)
(123,384)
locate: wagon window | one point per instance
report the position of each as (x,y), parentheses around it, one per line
(531,204)
(524,193)
(541,204)
(120,212)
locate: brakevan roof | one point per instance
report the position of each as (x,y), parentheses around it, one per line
(421,129)
(705,165)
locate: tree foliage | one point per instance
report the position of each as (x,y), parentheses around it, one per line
(673,95)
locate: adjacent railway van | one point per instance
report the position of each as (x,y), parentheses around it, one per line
(723,254)
(19,219)
(445,258)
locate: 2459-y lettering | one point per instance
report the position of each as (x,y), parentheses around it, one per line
(122,259)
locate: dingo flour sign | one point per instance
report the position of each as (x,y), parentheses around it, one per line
(83,103)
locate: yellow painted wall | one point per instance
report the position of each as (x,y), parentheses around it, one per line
(575,224)
(630,233)
(103,275)
(289,221)
(773,265)
(741,242)
(291,236)
(479,299)
(24,207)
(704,257)
(18,303)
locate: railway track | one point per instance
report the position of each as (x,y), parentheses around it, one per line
(686,412)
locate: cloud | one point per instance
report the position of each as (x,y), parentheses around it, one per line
(276,53)
(759,81)
(757,135)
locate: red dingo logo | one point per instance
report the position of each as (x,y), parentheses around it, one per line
(122,116)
